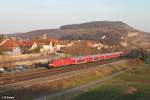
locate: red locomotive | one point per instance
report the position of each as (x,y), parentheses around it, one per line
(84,59)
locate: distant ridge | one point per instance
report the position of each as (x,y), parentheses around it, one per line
(113,30)
(98,24)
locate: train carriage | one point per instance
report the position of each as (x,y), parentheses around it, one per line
(85,59)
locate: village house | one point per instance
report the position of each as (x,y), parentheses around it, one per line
(46,45)
(63,44)
(10,47)
(28,45)
(47,48)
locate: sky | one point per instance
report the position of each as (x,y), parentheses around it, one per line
(28,15)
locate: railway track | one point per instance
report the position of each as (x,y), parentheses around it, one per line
(13,78)
(10,76)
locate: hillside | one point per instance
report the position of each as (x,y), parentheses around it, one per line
(118,25)
(109,32)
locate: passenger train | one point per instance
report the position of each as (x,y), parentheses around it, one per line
(84,59)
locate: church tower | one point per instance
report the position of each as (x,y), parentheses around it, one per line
(44,36)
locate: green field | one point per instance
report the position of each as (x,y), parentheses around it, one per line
(133,85)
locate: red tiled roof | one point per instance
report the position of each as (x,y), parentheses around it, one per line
(26,43)
(9,45)
(42,41)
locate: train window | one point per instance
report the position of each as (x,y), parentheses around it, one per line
(80,60)
(95,58)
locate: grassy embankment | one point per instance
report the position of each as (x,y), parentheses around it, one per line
(134,85)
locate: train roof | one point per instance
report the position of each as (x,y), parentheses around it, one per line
(76,57)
